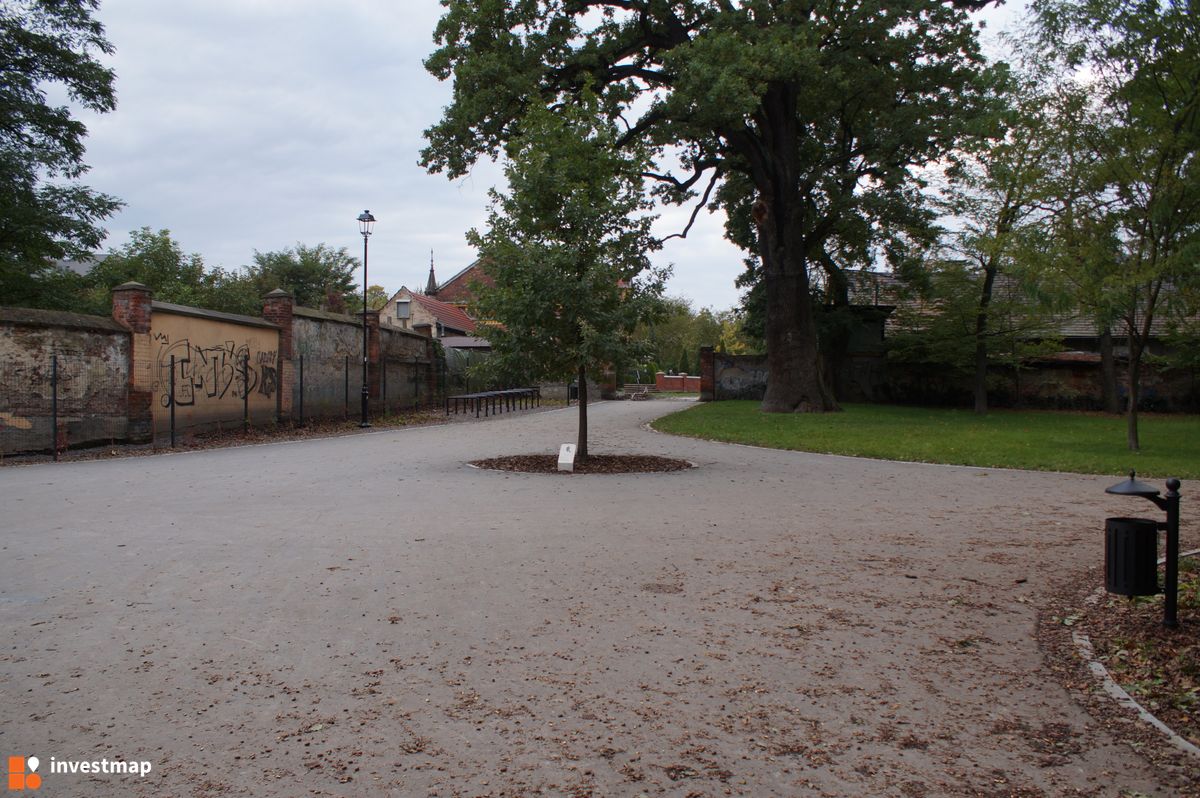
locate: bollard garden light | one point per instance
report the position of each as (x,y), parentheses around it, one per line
(1131,547)
(365,222)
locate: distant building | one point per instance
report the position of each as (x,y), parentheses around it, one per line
(460,289)
(410,310)
(81,266)
(442,311)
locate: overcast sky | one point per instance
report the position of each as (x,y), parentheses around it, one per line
(257,124)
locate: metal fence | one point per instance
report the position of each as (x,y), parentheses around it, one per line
(69,399)
(461,364)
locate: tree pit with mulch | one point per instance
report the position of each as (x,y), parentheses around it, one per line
(594,464)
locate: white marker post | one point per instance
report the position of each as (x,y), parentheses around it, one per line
(566,457)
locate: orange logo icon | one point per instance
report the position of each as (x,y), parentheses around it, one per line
(18,779)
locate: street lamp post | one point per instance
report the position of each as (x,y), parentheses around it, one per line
(365,222)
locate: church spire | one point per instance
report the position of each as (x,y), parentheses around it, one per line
(431,287)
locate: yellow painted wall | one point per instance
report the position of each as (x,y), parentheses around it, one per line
(209,387)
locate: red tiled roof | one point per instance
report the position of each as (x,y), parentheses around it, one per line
(450,316)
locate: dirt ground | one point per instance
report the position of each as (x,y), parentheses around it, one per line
(369,616)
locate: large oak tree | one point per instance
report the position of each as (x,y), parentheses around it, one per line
(821,110)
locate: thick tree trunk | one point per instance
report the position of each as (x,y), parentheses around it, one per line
(795,383)
(981,350)
(581,451)
(1108,373)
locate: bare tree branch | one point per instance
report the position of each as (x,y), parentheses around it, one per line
(716,175)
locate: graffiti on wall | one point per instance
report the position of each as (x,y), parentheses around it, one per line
(221,371)
(740,377)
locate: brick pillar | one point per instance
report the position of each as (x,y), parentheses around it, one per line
(374,352)
(660,380)
(432,384)
(707,374)
(131,309)
(277,309)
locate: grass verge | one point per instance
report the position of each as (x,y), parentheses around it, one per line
(1086,443)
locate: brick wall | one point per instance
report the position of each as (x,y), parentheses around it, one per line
(682,383)
(131,309)
(331,345)
(738,376)
(118,379)
(407,371)
(225,366)
(82,359)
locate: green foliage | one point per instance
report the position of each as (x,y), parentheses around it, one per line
(685,363)
(158,261)
(937,328)
(45,213)
(816,114)
(672,341)
(568,247)
(317,276)
(1042,441)
(1182,338)
(377,298)
(1134,66)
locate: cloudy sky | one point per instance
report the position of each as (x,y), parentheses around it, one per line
(246,125)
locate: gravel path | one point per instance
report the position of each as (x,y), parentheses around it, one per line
(368,616)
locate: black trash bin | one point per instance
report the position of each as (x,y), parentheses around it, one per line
(1131,556)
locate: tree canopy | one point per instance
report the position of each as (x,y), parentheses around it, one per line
(804,120)
(45,213)
(158,261)
(317,276)
(1134,68)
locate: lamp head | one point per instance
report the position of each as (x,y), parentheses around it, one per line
(1133,487)
(365,222)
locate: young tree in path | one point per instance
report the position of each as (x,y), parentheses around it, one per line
(567,247)
(822,108)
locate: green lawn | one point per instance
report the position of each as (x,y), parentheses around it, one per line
(1088,443)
